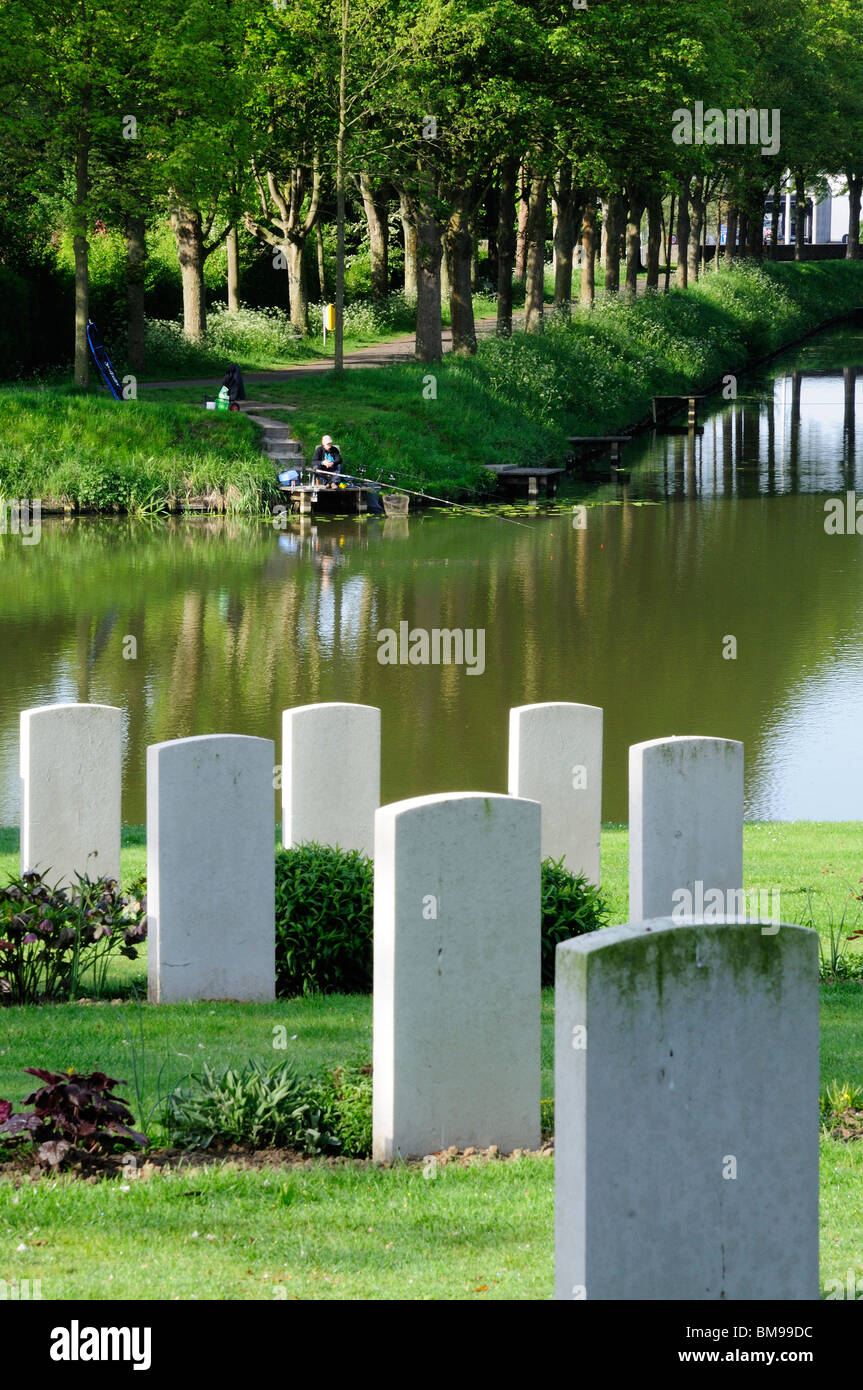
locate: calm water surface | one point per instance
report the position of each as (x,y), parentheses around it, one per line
(721,536)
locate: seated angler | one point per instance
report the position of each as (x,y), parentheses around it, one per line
(327,462)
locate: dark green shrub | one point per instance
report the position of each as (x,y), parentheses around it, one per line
(324,915)
(571,905)
(323,921)
(263,1107)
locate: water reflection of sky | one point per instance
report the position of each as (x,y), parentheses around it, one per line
(810,764)
(800,432)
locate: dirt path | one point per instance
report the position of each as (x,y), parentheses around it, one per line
(376,355)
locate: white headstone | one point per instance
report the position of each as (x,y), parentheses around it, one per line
(685,822)
(686,1113)
(211,869)
(71,776)
(456,974)
(555,758)
(331,775)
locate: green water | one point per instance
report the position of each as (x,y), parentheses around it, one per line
(715,537)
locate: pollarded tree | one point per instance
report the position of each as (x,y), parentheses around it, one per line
(289,67)
(451,111)
(199,132)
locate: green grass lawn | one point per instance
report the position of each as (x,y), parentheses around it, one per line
(352,1230)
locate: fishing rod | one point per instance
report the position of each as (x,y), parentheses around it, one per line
(473,511)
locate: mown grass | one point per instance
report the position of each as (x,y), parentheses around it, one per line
(353,1231)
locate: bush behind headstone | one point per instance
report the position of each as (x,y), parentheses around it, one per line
(324,918)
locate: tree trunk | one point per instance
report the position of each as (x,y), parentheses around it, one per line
(322,263)
(523,213)
(564,241)
(855,188)
(81,248)
(409,233)
(136,252)
(297,288)
(799,213)
(755,237)
(232,246)
(189,238)
(492,214)
(375,209)
(535,261)
(683,234)
(341,138)
(731,232)
(458,244)
(611,242)
(696,201)
(654,238)
(588,252)
(668,233)
(429,346)
(635,211)
(742,231)
(445,286)
(774,224)
(718,249)
(506,245)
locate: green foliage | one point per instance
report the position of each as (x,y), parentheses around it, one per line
(324,915)
(344,1097)
(835,931)
(838,1097)
(323,921)
(250,337)
(263,1107)
(571,905)
(56,941)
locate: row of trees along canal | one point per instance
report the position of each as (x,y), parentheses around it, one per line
(470,117)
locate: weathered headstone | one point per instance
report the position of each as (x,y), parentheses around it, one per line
(331,775)
(456,974)
(686,1113)
(211,869)
(685,822)
(71,777)
(555,758)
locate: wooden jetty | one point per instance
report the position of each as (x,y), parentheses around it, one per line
(615,443)
(691,400)
(510,474)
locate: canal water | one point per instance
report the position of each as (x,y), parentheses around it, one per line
(205,626)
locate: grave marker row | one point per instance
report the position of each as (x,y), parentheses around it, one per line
(709,1032)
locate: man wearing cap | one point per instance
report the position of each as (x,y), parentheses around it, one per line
(327,462)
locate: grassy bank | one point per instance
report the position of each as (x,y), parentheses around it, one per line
(516,401)
(431,427)
(132,456)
